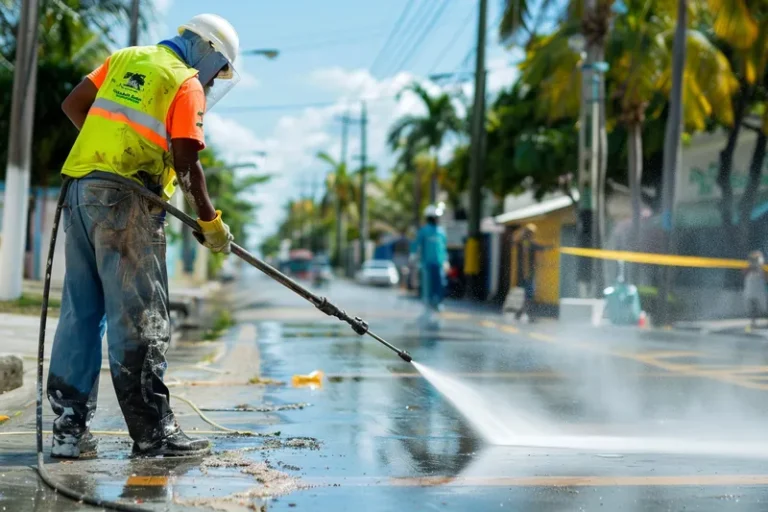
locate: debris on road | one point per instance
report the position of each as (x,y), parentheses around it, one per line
(264,381)
(303,442)
(259,408)
(314,379)
(271,482)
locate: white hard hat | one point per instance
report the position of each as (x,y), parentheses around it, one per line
(217,31)
(432,211)
(225,42)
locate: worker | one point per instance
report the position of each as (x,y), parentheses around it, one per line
(140,117)
(527,251)
(431,248)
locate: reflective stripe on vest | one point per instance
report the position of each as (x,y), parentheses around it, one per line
(125,131)
(146,125)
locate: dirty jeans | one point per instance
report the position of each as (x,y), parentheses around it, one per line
(116,281)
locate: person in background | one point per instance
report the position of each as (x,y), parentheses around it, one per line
(431,247)
(527,249)
(755,293)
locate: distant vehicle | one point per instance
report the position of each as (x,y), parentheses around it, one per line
(299,263)
(321,271)
(378,273)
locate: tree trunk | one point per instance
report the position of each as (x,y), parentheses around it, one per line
(635,152)
(433,185)
(339,233)
(602,166)
(672,153)
(416,199)
(726,156)
(750,194)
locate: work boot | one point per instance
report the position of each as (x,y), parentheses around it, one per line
(177,444)
(69,446)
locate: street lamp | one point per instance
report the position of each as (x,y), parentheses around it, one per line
(269,53)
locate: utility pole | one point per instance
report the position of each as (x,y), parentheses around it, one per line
(133,37)
(345,121)
(17,176)
(672,152)
(363,180)
(472,248)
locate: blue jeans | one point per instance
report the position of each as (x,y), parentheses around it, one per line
(116,281)
(433,284)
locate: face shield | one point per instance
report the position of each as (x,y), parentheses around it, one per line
(217,75)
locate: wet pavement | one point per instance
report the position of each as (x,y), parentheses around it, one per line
(376,436)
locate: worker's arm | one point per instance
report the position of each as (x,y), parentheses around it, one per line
(77,104)
(185,124)
(191,178)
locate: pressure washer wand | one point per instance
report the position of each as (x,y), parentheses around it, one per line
(358,324)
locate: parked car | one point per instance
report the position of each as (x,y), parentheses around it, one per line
(378,273)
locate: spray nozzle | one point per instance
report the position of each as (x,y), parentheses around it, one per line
(405,356)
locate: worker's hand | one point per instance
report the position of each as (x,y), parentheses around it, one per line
(446,266)
(214,234)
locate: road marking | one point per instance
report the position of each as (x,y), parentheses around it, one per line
(147,481)
(489,325)
(541,337)
(655,359)
(408,375)
(454,316)
(585,481)
(552,481)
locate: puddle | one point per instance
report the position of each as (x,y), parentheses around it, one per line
(270,483)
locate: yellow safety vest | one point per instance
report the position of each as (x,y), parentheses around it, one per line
(125,130)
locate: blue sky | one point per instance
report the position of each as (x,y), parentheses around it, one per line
(327,51)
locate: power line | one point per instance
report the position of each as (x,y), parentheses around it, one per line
(393,33)
(473,49)
(409,32)
(466,23)
(415,48)
(311,45)
(299,106)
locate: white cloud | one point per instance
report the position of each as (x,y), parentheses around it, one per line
(297,137)
(163,6)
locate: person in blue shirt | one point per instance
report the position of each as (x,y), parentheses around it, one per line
(431,247)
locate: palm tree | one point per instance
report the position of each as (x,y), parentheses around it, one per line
(639,49)
(341,189)
(742,28)
(412,134)
(641,46)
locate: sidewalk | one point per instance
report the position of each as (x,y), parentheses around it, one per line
(200,371)
(734,327)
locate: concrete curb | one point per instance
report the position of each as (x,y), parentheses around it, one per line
(732,331)
(11,373)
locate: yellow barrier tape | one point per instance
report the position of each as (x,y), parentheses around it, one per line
(669,260)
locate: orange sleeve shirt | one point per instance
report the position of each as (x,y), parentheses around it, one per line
(185,117)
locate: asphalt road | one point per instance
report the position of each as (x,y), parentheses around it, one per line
(558,418)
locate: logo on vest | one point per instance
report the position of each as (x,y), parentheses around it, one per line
(134,80)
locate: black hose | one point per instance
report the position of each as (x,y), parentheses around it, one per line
(321,303)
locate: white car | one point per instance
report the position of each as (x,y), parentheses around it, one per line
(378,273)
